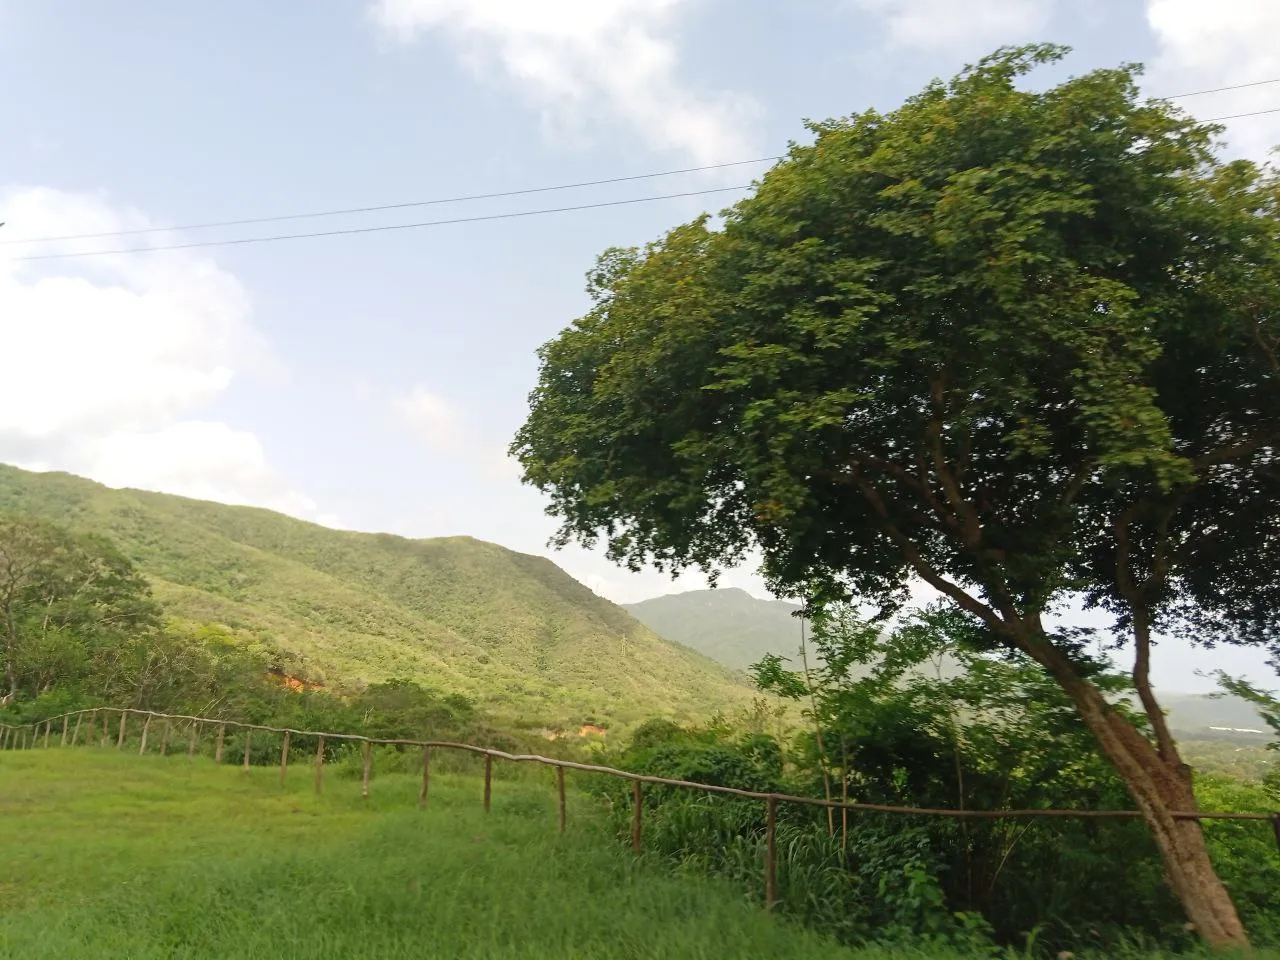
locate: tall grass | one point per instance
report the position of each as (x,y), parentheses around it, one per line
(112,855)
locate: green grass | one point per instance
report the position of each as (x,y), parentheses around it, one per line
(514,632)
(112,855)
(109,854)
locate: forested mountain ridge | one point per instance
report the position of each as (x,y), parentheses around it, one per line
(512,631)
(733,627)
(727,624)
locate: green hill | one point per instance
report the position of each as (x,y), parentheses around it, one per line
(727,624)
(1220,718)
(516,633)
(736,629)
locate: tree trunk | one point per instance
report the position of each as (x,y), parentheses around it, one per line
(10,652)
(1160,787)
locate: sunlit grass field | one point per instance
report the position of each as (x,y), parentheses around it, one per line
(109,854)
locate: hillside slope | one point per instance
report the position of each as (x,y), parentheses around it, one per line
(727,624)
(512,631)
(737,629)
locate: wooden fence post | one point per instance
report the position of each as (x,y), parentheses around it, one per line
(1275,822)
(106,734)
(319,764)
(64,731)
(47,725)
(560,791)
(146,728)
(284,756)
(248,739)
(222,739)
(637,813)
(124,718)
(368,760)
(4,737)
(75,736)
(771,853)
(426,776)
(192,735)
(164,739)
(488,780)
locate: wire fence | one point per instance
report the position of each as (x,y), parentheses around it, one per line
(110,725)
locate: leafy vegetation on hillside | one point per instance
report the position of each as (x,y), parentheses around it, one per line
(512,632)
(883,728)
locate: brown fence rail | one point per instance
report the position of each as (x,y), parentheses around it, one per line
(40,733)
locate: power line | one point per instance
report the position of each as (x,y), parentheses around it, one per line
(1237,116)
(379,229)
(393,206)
(471,197)
(1234,86)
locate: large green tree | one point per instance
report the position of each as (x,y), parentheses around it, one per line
(68,603)
(1019,345)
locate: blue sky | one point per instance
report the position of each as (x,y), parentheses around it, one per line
(374,381)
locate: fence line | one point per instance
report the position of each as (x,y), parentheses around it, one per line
(15,737)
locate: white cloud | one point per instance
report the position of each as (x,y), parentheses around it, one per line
(949,25)
(115,341)
(431,417)
(1204,46)
(201,459)
(106,356)
(585,60)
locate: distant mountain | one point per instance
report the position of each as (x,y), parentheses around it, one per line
(736,629)
(1201,717)
(514,632)
(727,624)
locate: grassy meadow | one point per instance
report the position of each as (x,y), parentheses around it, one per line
(114,855)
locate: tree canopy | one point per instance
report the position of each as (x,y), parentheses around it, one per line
(68,602)
(1019,344)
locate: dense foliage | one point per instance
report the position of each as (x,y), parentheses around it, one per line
(1019,344)
(886,724)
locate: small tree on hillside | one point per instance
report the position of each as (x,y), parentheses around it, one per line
(66,603)
(1017,345)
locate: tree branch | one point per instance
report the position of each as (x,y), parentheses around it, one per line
(1233,451)
(1138,599)
(922,567)
(970,523)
